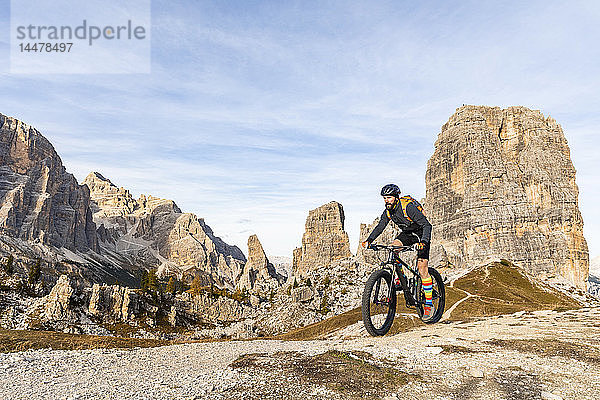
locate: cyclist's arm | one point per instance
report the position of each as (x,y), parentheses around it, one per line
(420,219)
(383,221)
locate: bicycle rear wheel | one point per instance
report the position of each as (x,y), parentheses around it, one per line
(378,307)
(438,296)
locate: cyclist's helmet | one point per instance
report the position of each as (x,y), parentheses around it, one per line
(390,190)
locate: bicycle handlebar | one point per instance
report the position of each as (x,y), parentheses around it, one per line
(378,247)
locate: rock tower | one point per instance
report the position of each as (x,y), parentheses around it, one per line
(324,239)
(501,184)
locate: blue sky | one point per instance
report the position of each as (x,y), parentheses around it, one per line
(256,112)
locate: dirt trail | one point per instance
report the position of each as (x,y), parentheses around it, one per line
(520,356)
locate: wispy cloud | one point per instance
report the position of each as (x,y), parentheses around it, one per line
(255,113)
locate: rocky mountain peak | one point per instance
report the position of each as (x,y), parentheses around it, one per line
(107,199)
(97,176)
(501,184)
(39,200)
(154,232)
(324,239)
(24,147)
(149,203)
(256,253)
(259,274)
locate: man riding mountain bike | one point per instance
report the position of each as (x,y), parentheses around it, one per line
(408,215)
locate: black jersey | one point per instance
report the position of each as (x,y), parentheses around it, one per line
(419,224)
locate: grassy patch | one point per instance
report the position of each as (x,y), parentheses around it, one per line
(323,328)
(20,340)
(551,348)
(318,330)
(480,307)
(353,375)
(452,296)
(455,349)
(402,322)
(502,288)
(406,318)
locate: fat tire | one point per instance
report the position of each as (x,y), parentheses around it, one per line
(366,304)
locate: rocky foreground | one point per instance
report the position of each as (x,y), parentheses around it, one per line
(526,355)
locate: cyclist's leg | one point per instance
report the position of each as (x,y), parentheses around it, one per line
(403,239)
(426,280)
(423,266)
(422,255)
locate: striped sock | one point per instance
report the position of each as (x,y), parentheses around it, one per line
(428,289)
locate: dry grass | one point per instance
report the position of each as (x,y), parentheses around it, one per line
(406,319)
(551,348)
(501,288)
(456,349)
(20,340)
(452,296)
(354,375)
(319,330)
(323,328)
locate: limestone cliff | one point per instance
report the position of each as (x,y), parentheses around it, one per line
(39,200)
(501,184)
(324,239)
(154,232)
(46,215)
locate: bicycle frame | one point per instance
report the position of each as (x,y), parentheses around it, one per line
(394,264)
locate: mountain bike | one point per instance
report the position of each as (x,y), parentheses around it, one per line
(380,294)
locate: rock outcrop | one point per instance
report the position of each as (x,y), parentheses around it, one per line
(324,239)
(155,233)
(501,184)
(207,308)
(58,305)
(113,303)
(39,200)
(62,310)
(259,274)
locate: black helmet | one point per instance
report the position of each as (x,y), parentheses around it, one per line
(390,190)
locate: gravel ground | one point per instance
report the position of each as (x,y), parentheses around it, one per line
(546,354)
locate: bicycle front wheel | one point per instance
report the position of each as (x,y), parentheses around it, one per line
(378,307)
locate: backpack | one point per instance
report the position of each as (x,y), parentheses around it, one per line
(405,201)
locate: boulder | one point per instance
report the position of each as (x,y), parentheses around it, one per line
(302,294)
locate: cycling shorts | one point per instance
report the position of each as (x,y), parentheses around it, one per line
(410,238)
